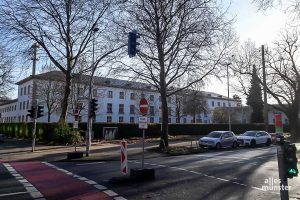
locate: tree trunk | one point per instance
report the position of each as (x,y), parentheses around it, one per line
(49,114)
(64,103)
(295,129)
(164,143)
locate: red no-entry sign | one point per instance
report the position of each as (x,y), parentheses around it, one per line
(143,106)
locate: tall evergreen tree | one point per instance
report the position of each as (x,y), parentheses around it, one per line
(254,99)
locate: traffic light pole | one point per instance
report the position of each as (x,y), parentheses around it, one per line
(90,119)
(284,193)
(34,125)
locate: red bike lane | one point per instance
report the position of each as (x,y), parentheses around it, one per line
(55,184)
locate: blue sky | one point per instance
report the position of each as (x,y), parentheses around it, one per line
(258,26)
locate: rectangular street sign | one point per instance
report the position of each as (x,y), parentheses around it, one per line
(143,123)
(75,124)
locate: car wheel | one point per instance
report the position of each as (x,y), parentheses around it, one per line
(268,143)
(253,143)
(234,145)
(218,146)
(201,146)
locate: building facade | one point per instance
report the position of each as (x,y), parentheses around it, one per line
(118,101)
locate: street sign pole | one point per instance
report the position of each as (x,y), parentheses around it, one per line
(143,158)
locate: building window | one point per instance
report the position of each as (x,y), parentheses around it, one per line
(184,120)
(151,97)
(21,92)
(224,104)
(229,104)
(109,108)
(131,119)
(151,110)
(80,92)
(121,108)
(169,120)
(121,119)
(24,90)
(132,96)
(132,109)
(219,104)
(108,119)
(110,94)
(23,105)
(29,89)
(26,118)
(22,118)
(121,95)
(151,119)
(169,111)
(212,104)
(95,93)
(177,120)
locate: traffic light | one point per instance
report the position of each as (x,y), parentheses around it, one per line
(132,43)
(31,112)
(93,107)
(40,111)
(290,160)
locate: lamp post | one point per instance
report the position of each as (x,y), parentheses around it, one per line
(90,120)
(229,119)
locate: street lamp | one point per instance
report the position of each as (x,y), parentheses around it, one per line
(229,119)
(90,119)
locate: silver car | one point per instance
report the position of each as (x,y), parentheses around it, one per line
(252,138)
(219,139)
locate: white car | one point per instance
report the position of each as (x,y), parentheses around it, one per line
(252,138)
(219,139)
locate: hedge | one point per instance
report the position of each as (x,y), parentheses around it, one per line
(126,130)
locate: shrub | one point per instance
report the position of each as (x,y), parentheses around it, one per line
(63,134)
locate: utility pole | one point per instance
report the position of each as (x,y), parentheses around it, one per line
(264,88)
(33,97)
(91,83)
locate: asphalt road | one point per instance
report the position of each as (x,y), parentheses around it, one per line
(227,174)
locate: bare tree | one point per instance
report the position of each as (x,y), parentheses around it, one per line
(283,77)
(6,70)
(63,29)
(50,92)
(194,101)
(180,40)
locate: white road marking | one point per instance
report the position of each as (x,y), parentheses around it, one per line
(11,194)
(100,187)
(93,163)
(110,193)
(34,193)
(91,182)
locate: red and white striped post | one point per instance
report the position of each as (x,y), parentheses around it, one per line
(124,168)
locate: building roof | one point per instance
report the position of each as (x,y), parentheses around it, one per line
(8,102)
(108,82)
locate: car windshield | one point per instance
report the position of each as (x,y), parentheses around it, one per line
(214,134)
(249,133)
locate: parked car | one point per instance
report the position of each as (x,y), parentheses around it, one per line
(253,138)
(1,137)
(219,139)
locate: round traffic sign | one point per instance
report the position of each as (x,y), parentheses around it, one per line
(143,106)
